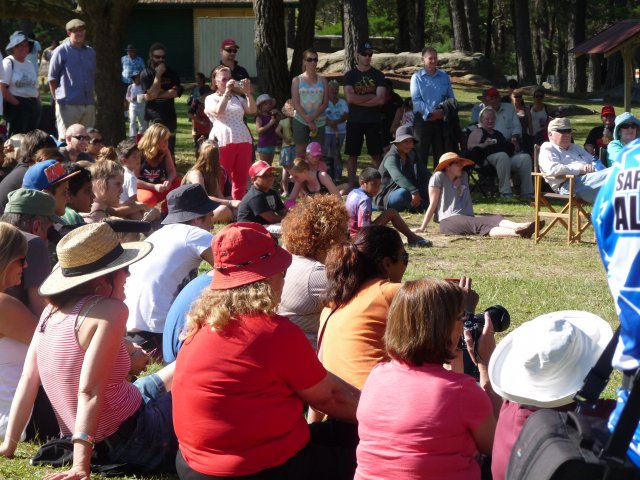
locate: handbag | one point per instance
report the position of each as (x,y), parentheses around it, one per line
(554,445)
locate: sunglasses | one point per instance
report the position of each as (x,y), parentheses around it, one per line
(77,29)
(517,96)
(368,54)
(160,57)
(565,131)
(96,141)
(404,258)
(312,59)
(231,50)
(628,125)
(538,96)
(81,138)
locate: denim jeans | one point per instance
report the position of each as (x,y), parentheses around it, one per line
(400,199)
(587,186)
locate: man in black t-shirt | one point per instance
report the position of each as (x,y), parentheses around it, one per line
(228,50)
(261,204)
(161,85)
(365,93)
(596,140)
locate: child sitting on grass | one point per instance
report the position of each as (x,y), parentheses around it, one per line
(288,148)
(315,160)
(129,157)
(359,207)
(261,204)
(309,182)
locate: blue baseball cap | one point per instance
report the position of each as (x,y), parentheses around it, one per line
(45,174)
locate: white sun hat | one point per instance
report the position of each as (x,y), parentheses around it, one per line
(543,362)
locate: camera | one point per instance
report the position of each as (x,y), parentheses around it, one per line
(500,319)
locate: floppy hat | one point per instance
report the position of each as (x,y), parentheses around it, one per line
(89,252)
(259,169)
(263,98)
(607,110)
(129,48)
(543,362)
(188,202)
(26,201)
(314,149)
(561,123)
(46,174)
(228,42)
(448,158)
(404,132)
(75,23)
(364,46)
(16,39)
(245,252)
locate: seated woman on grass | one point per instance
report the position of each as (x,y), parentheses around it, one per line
(309,182)
(449,195)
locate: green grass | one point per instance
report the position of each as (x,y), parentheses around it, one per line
(528,279)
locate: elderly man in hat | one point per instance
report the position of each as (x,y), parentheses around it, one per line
(19,84)
(179,248)
(72,72)
(131,62)
(559,157)
(365,93)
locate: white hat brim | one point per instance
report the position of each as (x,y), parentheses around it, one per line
(509,377)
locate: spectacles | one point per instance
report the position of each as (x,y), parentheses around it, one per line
(312,59)
(367,54)
(628,125)
(231,50)
(81,138)
(403,257)
(565,131)
(96,141)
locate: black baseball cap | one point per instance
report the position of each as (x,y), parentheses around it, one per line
(364,46)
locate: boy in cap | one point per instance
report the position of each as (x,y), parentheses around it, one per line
(261,204)
(179,248)
(50,177)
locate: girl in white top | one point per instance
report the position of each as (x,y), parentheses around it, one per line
(226,111)
(17,323)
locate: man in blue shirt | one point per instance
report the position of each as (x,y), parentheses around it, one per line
(131,62)
(430,86)
(72,72)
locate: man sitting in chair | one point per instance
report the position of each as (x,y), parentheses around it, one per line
(559,157)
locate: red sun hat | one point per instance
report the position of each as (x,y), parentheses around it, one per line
(244,253)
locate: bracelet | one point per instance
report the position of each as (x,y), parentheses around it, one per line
(83,437)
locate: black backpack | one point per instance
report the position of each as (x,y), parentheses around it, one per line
(554,445)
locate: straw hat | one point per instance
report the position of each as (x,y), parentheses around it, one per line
(448,158)
(245,252)
(543,362)
(89,252)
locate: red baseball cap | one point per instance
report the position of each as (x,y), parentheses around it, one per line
(229,42)
(244,253)
(492,92)
(607,110)
(259,169)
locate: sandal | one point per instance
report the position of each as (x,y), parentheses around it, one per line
(422,243)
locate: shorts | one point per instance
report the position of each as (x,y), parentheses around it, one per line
(287,154)
(302,134)
(355,134)
(268,150)
(465,225)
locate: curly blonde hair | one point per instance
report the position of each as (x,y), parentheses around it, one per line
(217,308)
(148,145)
(314,225)
(102,171)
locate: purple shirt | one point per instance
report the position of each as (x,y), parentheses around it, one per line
(268,138)
(359,207)
(75,71)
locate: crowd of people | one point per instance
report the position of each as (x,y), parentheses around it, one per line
(322,321)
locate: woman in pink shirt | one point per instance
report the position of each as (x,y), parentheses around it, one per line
(416,418)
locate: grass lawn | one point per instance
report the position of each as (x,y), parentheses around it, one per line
(526,278)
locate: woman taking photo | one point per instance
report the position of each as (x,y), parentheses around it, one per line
(208,172)
(79,354)
(418,419)
(245,373)
(227,110)
(17,323)
(449,195)
(310,97)
(157,175)
(308,232)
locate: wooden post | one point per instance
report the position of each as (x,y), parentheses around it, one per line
(627,58)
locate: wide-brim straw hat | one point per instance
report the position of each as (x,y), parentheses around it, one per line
(543,362)
(448,158)
(89,252)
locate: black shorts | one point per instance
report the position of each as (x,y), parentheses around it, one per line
(355,132)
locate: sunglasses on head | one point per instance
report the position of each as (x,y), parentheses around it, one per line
(628,125)
(231,50)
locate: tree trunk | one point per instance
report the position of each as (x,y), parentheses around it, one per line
(594,81)
(473,24)
(487,40)
(304,34)
(271,53)
(356,29)
(402,22)
(458,25)
(561,64)
(106,25)
(522,33)
(418,40)
(577,67)
(291,26)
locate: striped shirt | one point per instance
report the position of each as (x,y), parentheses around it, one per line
(60,360)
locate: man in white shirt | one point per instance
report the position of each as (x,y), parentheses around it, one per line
(178,249)
(559,157)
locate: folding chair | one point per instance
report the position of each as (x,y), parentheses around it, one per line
(568,209)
